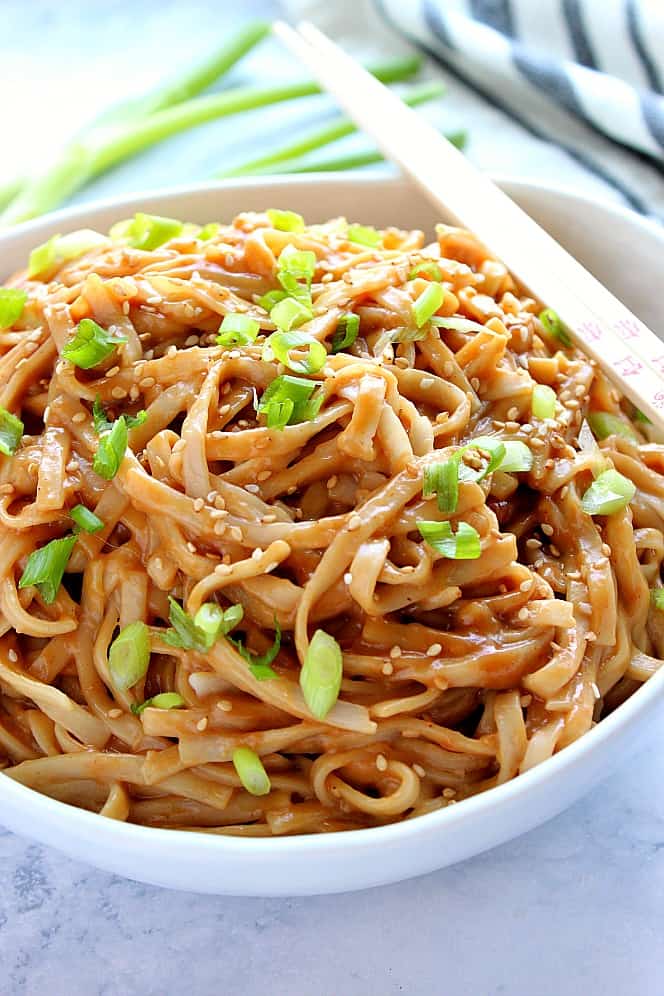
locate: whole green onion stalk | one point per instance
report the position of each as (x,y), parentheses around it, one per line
(131,127)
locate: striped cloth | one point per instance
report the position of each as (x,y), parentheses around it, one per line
(583,78)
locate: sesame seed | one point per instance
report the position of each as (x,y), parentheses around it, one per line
(257,554)
(547,529)
(395,652)
(526,585)
(13,656)
(419,770)
(526,700)
(332,482)
(236,534)
(475,383)
(554,551)
(252,489)
(118,393)
(354,523)
(269,517)
(219,528)
(219,502)
(114,713)
(381,762)
(223,569)
(263,475)
(191,547)
(512,413)
(191,340)
(171,351)
(225,705)
(79,417)
(202,724)
(522,615)
(113,371)
(146,383)
(449,793)
(426,383)
(199,504)
(434,650)
(606,549)
(125,307)
(533,544)
(348,578)
(596,691)
(590,636)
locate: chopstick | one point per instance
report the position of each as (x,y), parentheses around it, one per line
(599,324)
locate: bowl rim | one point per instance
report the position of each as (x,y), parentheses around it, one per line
(118,833)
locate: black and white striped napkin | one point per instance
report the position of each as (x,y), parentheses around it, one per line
(572,87)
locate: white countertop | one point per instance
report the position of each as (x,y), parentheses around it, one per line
(576,906)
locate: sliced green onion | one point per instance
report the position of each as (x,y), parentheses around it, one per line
(605,424)
(640,416)
(43,258)
(554,326)
(272,297)
(12,303)
(208,231)
(90,345)
(129,656)
(543,402)
(442,479)
(320,677)
(427,268)
(146,231)
(428,303)
(237,330)
(288,400)
(609,493)
(86,519)
(203,631)
(457,324)
(299,263)
(250,771)
(513,455)
(111,450)
(280,345)
(364,235)
(259,664)
(45,567)
(285,221)
(46,258)
(164,700)
(102,424)
(462,545)
(657,598)
(289,313)
(11,432)
(346,332)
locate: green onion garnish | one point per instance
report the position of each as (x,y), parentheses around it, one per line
(43,258)
(609,493)
(288,401)
(208,231)
(11,432)
(86,520)
(45,567)
(102,424)
(46,258)
(237,330)
(146,231)
(457,324)
(513,455)
(657,598)
(320,677)
(543,401)
(289,313)
(111,450)
(250,771)
(640,416)
(299,263)
(259,664)
(280,345)
(427,268)
(462,545)
(605,424)
(285,221)
(346,332)
(428,303)
(90,345)
(164,700)
(12,303)
(272,297)
(442,479)
(364,235)
(203,631)
(129,655)
(554,326)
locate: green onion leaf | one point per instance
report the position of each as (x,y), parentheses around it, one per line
(43,258)
(86,520)
(298,263)
(12,303)
(640,416)
(428,303)
(237,330)
(45,567)
(272,297)
(543,401)
(259,664)
(496,450)
(250,771)
(609,493)
(285,221)
(46,258)
(102,424)
(605,424)
(111,450)
(364,235)
(320,677)
(515,456)
(457,324)
(464,545)
(146,231)
(203,631)
(208,231)
(442,479)
(554,326)
(90,345)
(129,656)
(280,345)
(427,268)
(11,432)
(346,332)
(164,700)
(288,401)
(657,598)
(289,313)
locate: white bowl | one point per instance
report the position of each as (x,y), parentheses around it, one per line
(625,252)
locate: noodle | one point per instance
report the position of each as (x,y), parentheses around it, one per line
(460,671)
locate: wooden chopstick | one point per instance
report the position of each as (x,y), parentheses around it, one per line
(626,349)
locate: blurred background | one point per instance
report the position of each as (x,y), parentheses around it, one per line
(538,90)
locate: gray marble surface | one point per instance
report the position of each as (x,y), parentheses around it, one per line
(574,907)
